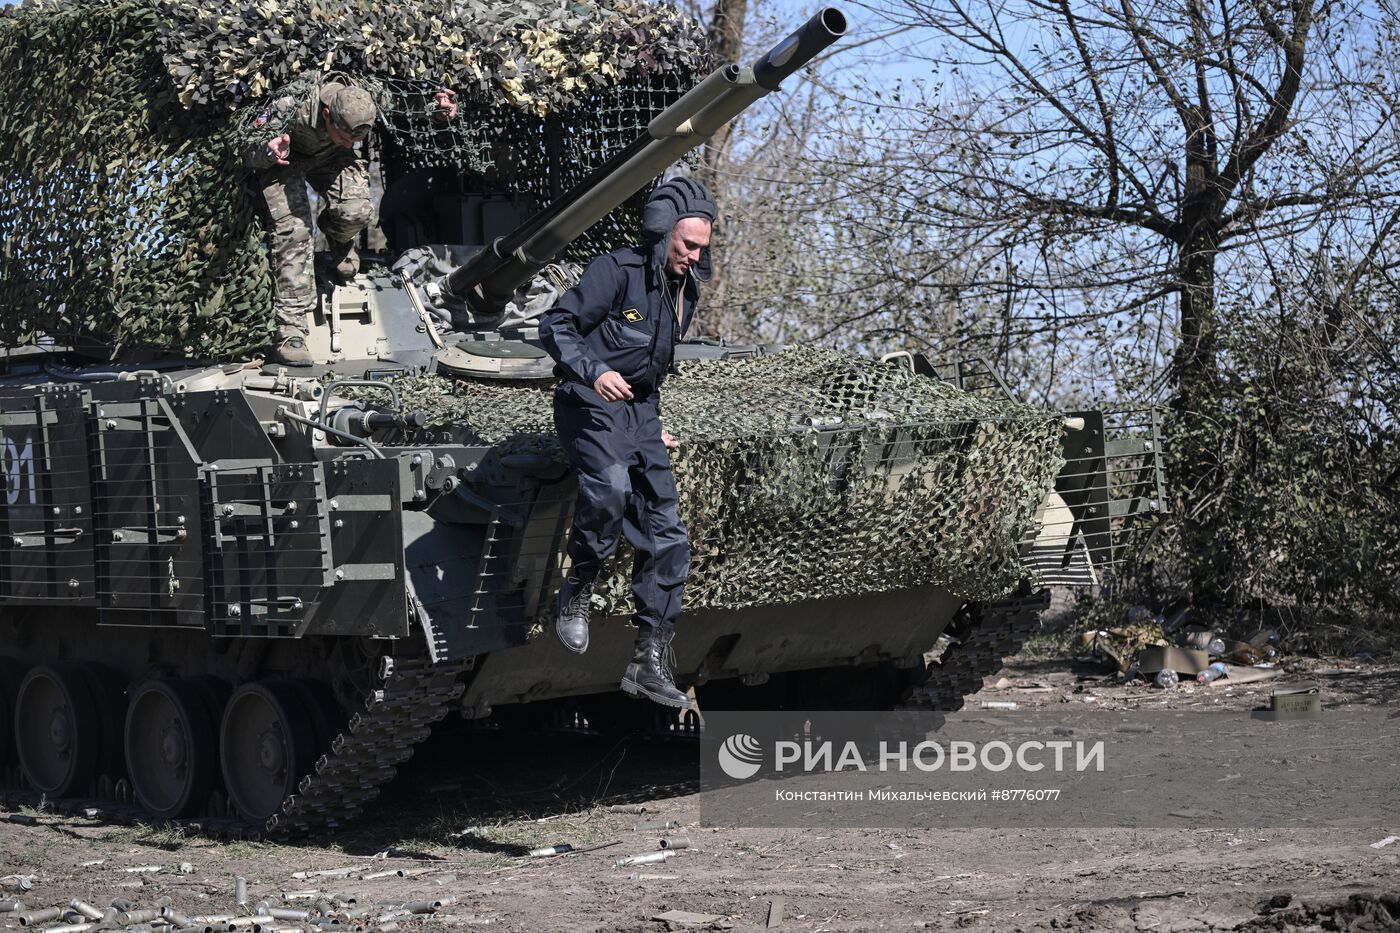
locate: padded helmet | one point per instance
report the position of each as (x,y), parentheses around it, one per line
(669,203)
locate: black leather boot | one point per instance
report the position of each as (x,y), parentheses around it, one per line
(651,673)
(571,613)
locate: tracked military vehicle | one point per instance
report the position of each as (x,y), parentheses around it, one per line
(239,596)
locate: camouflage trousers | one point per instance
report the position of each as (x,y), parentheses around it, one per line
(342,180)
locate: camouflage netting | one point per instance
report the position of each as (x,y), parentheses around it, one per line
(811,474)
(124,221)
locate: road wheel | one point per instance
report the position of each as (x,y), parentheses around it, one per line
(171,748)
(266,745)
(58,734)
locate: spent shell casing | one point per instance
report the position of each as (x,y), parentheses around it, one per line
(628,808)
(11,906)
(87,910)
(387,927)
(177,919)
(289,913)
(70,928)
(240,891)
(34,917)
(675,842)
(643,859)
(130,917)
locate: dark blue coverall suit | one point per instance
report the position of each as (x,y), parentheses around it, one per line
(622,316)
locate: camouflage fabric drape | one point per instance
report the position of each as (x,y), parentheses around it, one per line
(810,474)
(125,224)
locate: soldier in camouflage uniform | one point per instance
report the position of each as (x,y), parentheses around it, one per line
(308,135)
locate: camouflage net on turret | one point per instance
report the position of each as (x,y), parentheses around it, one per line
(810,474)
(124,219)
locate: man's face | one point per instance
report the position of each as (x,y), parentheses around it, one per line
(337,135)
(689,238)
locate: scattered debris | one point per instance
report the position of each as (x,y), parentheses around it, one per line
(687,918)
(329,873)
(18,882)
(1382,843)
(1236,675)
(547,851)
(775,912)
(1212,673)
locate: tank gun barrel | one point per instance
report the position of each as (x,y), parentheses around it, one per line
(489,279)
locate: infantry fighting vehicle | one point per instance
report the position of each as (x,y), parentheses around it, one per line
(242,596)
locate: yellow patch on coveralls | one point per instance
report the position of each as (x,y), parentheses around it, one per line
(632,315)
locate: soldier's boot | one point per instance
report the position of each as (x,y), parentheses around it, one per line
(344,258)
(290,348)
(571,613)
(652,671)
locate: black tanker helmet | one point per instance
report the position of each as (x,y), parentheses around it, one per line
(669,203)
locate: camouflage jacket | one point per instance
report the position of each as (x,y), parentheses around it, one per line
(297,110)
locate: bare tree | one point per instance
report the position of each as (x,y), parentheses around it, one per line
(1128,155)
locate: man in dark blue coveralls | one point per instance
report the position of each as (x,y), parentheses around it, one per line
(612,337)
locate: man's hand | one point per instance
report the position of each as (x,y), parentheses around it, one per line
(612,387)
(446,101)
(670,442)
(279,148)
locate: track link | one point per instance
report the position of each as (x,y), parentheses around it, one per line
(996,632)
(397,716)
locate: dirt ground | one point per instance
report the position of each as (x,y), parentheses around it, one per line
(460,819)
